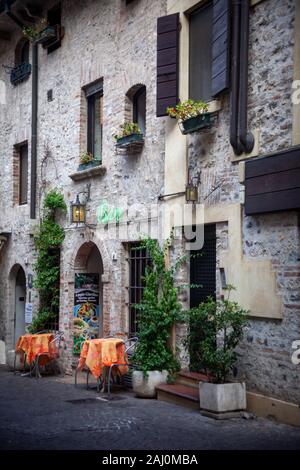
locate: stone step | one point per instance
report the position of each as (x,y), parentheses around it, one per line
(191,379)
(179,394)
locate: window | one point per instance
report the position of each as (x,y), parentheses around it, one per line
(139,108)
(201,40)
(23,173)
(139,259)
(203,269)
(54,19)
(94,97)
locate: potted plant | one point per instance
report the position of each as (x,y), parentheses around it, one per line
(158,311)
(87,160)
(129,134)
(192,116)
(215,329)
(42,33)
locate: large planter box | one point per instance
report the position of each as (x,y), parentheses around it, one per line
(92,164)
(145,387)
(194,124)
(222,398)
(128,139)
(47,36)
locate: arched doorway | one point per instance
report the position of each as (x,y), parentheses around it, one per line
(20,301)
(88,317)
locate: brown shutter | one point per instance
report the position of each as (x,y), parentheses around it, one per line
(167,62)
(220,46)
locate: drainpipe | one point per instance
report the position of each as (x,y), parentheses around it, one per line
(34,120)
(235,78)
(246,138)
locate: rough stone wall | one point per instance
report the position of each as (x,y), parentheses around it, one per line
(266,350)
(103,39)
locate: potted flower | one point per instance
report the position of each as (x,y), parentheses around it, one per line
(158,311)
(42,33)
(87,160)
(129,134)
(215,329)
(192,116)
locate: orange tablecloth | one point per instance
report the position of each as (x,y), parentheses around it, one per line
(32,345)
(103,352)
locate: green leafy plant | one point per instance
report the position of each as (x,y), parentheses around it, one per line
(128,128)
(48,240)
(32,32)
(86,157)
(158,311)
(215,329)
(187,109)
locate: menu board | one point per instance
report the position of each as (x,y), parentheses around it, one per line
(86,309)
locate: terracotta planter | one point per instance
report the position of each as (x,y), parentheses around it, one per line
(145,387)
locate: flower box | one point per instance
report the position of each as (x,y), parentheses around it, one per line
(47,36)
(91,164)
(129,139)
(196,123)
(20,73)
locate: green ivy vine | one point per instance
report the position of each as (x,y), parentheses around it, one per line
(159,310)
(48,240)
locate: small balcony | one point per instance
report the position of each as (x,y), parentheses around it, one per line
(20,73)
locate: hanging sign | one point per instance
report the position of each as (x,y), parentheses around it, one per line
(86,309)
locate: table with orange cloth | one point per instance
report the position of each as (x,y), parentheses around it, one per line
(100,353)
(33,345)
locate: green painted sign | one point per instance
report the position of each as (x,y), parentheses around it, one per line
(107,214)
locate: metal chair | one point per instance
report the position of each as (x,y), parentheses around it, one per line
(130,346)
(54,344)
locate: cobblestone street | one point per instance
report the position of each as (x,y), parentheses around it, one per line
(50,414)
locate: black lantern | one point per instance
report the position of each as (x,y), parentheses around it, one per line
(191,189)
(78,212)
(78,208)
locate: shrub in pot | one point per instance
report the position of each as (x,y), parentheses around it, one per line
(215,329)
(158,311)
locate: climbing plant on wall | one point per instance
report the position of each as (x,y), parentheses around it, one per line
(48,240)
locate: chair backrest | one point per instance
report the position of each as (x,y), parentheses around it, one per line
(130,345)
(55,343)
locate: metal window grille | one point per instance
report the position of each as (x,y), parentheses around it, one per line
(139,259)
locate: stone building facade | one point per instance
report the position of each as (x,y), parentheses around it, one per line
(116,42)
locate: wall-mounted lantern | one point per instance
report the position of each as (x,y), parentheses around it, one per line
(78,208)
(191,189)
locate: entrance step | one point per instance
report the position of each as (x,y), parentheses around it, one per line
(179,394)
(191,379)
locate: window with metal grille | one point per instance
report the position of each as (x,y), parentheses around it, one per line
(139,259)
(203,269)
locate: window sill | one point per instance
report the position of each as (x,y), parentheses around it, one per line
(88,173)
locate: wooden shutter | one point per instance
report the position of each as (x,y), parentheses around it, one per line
(272,183)
(167,62)
(220,46)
